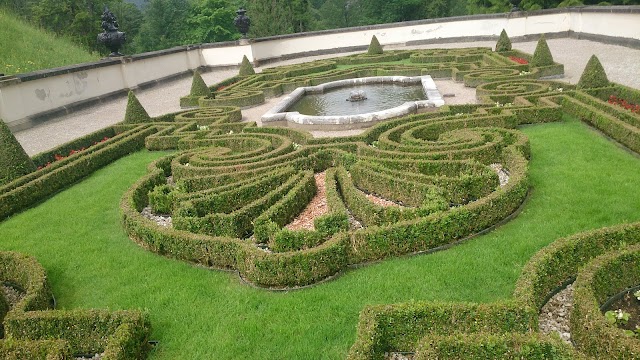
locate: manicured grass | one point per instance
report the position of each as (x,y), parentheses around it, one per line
(580,181)
(26,48)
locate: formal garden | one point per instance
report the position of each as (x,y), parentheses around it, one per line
(441,234)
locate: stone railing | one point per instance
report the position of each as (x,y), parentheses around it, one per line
(28,99)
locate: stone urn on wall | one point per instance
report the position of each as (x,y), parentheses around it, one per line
(111,37)
(242,22)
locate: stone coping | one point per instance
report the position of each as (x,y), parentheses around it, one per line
(125,59)
(279,114)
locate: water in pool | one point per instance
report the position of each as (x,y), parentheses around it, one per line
(379,97)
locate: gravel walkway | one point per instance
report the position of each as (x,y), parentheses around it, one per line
(619,63)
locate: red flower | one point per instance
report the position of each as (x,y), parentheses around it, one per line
(519,60)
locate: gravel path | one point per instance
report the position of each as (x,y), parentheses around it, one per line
(619,62)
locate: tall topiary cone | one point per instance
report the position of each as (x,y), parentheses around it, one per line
(593,75)
(198,86)
(504,43)
(542,56)
(245,67)
(135,112)
(14,161)
(374,47)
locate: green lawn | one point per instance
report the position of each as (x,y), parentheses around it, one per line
(580,181)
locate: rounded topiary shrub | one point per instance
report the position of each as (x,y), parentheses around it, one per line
(14,161)
(593,75)
(135,112)
(161,199)
(542,55)
(374,47)
(245,67)
(504,43)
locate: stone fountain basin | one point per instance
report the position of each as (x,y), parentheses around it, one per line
(279,112)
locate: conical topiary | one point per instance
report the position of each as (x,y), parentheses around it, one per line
(374,47)
(135,112)
(198,86)
(542,55)
(504,43)
(245,67)
(14,161)
(593,75)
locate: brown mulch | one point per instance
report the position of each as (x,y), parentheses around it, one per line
(316,207)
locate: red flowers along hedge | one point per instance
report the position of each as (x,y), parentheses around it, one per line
(519,60)
(635,108)
(59,157)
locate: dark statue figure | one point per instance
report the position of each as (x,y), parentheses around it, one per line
(111,37)
(242,22)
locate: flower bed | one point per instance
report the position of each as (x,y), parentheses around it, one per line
(634,108)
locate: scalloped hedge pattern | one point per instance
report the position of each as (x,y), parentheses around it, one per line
(237,185)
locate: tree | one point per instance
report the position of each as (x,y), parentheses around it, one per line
(210,21)
(80,21)
(275,17)
(165,25)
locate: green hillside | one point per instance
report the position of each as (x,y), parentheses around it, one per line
(25,48)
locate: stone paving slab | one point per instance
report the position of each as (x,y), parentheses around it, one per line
(619,62)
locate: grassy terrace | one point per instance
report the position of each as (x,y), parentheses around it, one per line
(580,181)
(33,49)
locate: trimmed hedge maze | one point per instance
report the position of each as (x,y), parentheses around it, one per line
(33,331)
(232,188)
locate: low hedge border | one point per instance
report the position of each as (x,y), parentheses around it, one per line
(235,97)
(33,331)
(399,327)
(35,350)
(601,279)
(497,347)
(32,188)
(613,126)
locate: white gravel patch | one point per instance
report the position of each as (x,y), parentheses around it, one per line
(162,220)
(554,315)
(503,174)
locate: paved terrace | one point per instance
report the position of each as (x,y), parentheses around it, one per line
(619,62)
